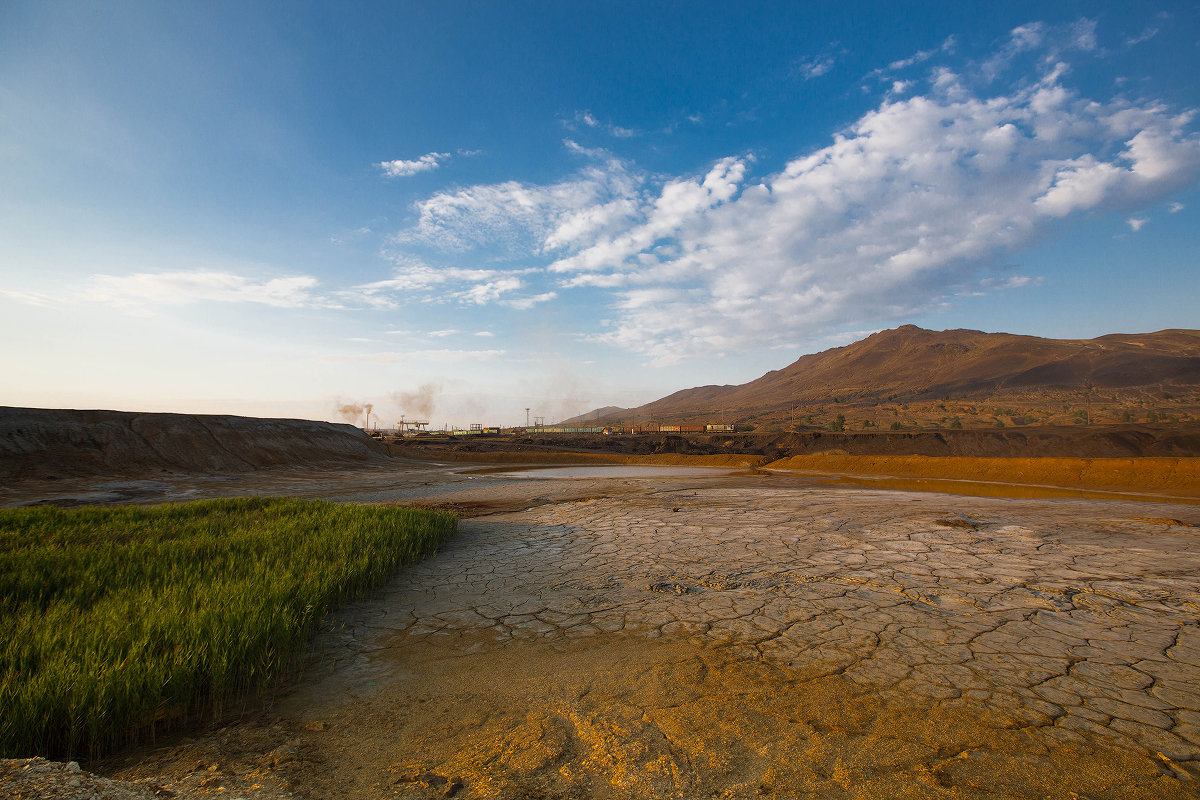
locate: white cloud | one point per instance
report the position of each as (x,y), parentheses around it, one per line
(176,288)
(401,168)
(919,57)
(1175,208)
(1145,36)
(415,281)
(1011,282)
(1050,41)
(435,355)
(918,199)
(588,120)
(516,218)
(1136,223)
(914,198)
(484,333)
(40,299)
(813,67)
(447,332)
(525,303)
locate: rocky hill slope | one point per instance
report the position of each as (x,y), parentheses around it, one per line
(912,364)
(56,443)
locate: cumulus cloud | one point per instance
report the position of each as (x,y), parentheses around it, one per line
(913,204)
(916,195)
(516,218)
(401,168)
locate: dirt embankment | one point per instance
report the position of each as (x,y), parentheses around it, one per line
(56,443)
(1116,441)
(1159,461)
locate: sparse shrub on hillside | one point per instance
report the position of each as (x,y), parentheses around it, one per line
(956,423)
(897,426)
(838,424)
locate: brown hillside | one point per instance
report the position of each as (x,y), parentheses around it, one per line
(912,364)
(56,443)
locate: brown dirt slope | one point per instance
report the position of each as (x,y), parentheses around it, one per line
(42,443)
(912,361)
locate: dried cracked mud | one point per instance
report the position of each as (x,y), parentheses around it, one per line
(745,636)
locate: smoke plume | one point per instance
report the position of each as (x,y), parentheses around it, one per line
(355,413)
(419,403)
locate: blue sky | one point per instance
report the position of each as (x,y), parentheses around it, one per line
(459,210)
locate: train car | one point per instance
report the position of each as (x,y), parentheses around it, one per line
(719,428)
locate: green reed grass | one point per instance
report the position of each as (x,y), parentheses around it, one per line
(115,621)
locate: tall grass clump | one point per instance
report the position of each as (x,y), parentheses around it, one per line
(115,621)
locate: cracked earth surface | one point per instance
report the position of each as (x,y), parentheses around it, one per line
(748,637)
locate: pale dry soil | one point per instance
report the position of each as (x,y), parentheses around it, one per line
(739,636)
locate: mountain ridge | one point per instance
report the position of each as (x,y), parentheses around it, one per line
(913,364)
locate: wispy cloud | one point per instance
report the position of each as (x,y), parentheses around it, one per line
(401,168)
(176,288)
(586,119)
(434,355)
(1136,223)
(29,298)
(919,57)
(1050,42)
(814,66)
(1148,33)
(416,281)
(1151,30)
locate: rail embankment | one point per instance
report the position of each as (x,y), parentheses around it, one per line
(734,460)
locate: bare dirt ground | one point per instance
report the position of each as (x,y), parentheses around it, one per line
(717,633)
